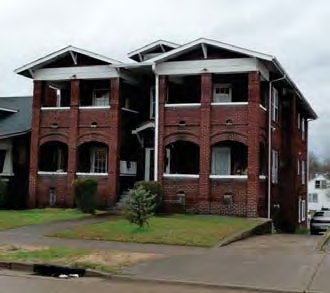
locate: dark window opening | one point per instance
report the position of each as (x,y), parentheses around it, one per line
(53,157)
(262,160)
(184,89)
(94,93)
(93,158)
(182,157)
(2,159)
(56,94)
(229,158)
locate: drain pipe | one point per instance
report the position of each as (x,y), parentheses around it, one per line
(270,140)
(156,122)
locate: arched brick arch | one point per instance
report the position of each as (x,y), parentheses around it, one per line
(53,137)
(183,136)
(93,137)
(228,136)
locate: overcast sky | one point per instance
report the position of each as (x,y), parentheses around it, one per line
(296,32)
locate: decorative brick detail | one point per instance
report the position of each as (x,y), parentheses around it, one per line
(205,148)
(36,104)
(253,144)
(114,146)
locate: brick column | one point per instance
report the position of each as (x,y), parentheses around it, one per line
(253,144)
(205,148)
(161,124)
(72,145)
(34,148)
(114,145)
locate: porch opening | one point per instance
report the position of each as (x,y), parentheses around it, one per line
(229,158)
(184,89)
(53,157)
(93,158)
(182,157)
(94,93)
(230,88)
(56,94)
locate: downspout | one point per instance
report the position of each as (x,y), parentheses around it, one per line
(270,141)
(156,122)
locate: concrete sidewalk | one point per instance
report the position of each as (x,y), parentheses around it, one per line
(280,262)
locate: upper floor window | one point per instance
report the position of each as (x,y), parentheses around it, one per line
(101,97)
(275,166)
(298,121)
(275,114)
(320,184)
(298,166)
(303,172)
(222,93)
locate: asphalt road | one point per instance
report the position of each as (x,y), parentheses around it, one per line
(15,282)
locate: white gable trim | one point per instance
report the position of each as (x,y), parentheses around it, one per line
(8,110)
(50,57)
(177,51)
(238,65)
(83,72)
(151,46)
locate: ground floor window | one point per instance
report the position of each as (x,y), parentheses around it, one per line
(93,158)
(312,197)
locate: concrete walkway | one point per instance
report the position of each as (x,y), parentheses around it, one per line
(282,262)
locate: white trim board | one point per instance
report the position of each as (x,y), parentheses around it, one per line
(81,72)
(151,46)
(53,56)
(237,65)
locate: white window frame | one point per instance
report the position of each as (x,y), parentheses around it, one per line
(303,129)
(299,120)
(275,159)
(303,210)
(298,166)
(303,172)
(94,160)
(105,98)
(222,86)
(275,108)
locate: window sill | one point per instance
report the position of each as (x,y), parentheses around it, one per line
(242,177)
(183,176)
(7,174)
(55,108)
(93,107)
(51,173)
(91,174)
(262,107)
(229,104)
(182,105)
(262,177)
(130,110)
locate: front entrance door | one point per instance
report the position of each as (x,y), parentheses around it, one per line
(149,164)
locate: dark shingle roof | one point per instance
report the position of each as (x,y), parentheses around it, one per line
(14,123)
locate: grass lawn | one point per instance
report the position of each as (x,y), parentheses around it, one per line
(106,261)
(189,230)
(16,218)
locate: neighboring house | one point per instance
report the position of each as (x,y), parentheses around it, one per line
(15,127)
(194,117)
(318,193)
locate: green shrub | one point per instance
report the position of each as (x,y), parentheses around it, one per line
(85,194)
(139,206)
(155,189)
(3,192)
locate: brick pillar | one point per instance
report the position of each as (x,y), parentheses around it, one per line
(34,148)
(205,148)
(161,123)
(253,144)
(114,145)
(72,145)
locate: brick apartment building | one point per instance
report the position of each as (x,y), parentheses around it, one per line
(222,128)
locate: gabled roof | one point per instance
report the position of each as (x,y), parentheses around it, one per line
(151,47)
(18,120)
(24,70)
(179,50)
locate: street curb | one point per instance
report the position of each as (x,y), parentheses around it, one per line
(28,268)
(263,228)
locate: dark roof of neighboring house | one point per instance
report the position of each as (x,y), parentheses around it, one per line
(15,116)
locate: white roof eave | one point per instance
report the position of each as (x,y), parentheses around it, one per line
(152,45)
